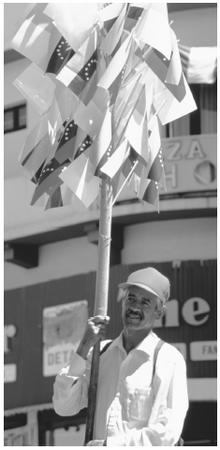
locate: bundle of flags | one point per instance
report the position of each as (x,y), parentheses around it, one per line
(101,77)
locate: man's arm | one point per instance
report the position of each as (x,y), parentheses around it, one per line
(71,384)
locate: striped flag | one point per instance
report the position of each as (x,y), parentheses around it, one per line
(81,67)
(133,14)
(111,40)
(79,177)
(36,88)
(48,180)
(74,20)
(150,192)
(61,55)
(109,15)
(65,149)
(37,37)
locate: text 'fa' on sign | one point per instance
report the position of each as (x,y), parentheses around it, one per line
(203,351)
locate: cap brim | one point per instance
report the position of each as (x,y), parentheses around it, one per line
(142,286)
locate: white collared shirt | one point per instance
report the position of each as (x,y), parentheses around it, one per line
(130,410)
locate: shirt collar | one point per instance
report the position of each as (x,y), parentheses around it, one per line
(118,342)
(147,345)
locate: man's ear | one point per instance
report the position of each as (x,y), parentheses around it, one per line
(160,310)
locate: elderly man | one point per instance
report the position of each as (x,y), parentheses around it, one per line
(142,390)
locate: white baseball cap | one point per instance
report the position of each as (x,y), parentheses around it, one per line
(151,280)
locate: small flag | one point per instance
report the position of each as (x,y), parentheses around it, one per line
(65,149)
(150,193)
(134,13)
(37,37)
(168,108)
(81,67)
(36,88)
(160,65)
(85,144)
(136,131)
(79,177)
(109,14)
(114,163)
(48,180)
(113,36)
(35,149)
(74,21)
(116,64)
(60,56)
(153,28)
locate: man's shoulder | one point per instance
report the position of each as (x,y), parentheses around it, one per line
(110,344)
(170,352)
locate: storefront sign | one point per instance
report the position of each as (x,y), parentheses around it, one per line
(203,351)
(190,165)
(63,328)
(195,311)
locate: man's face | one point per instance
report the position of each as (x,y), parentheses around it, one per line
(140,309)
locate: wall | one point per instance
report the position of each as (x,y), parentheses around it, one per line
(14,141)
(195,27)
(58,260)
(186,239)
(170,240)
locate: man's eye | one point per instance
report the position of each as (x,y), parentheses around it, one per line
(146,302)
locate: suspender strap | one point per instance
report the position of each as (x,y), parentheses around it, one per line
(156,351)
(105,347)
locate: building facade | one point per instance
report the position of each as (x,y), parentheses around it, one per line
(51,258)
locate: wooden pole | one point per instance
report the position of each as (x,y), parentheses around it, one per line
(101,294)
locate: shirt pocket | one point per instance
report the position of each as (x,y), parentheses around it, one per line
(140,404)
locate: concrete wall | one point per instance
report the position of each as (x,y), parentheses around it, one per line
(187,239)
(170,240)
(196,27)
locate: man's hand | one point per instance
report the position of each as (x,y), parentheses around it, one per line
(95,331)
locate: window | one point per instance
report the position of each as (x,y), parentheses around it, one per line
(15,118)
(201,121)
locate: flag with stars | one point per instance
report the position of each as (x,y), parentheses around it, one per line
(65,148)
(80,69)
(48,181)
(40,41)
(60,56)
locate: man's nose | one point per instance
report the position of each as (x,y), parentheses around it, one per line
(134,301)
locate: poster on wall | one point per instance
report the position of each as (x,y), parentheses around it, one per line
(63,328)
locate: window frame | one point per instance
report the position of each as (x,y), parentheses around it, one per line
(16,117)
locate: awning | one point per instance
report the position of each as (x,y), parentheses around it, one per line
(199,64)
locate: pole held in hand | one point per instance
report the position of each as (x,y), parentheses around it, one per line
(101,294)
